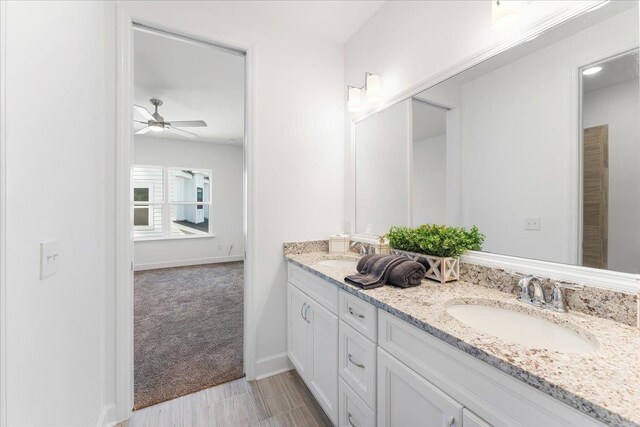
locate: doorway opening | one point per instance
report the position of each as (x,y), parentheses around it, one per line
(187,215)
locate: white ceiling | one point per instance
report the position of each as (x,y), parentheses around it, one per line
(614,71)
(194,82)
(334,21)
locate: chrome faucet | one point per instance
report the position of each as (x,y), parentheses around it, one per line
(364,248)
(540,299)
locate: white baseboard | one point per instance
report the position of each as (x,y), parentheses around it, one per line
(107,417)
(187,262)
(272,365)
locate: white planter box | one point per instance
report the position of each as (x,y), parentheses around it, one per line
(440,269)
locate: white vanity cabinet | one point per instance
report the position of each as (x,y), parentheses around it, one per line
(312,336)
(367,367)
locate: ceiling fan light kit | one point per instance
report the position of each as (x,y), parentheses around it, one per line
(156,123)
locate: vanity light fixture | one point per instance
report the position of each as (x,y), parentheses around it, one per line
(504,13)
(591,71)
(355,99)
(372,91)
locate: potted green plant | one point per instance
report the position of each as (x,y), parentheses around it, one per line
(440,245)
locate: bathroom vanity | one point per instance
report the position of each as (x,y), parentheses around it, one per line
(398,357)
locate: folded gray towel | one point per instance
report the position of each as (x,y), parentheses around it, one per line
(407,274)
(375,271)
(364,259)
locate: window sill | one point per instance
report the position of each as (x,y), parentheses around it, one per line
(157,239)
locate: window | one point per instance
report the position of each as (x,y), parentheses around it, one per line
(170,202)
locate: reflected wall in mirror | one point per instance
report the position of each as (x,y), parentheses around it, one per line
(543,159)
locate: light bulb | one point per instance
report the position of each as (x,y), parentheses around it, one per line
(354,101)
(156,128)
(592,70)
(373,87)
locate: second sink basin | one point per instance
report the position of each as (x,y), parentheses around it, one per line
(521,328)
(339,263)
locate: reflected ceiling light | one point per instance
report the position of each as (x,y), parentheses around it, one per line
(504,13)
(372,91)
(591,70)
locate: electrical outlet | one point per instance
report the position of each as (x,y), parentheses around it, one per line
(532,224)
(49,258)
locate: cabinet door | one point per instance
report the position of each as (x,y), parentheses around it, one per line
(297,330)
(407,399)
(323,362)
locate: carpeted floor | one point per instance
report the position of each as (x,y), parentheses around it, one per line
(188,325)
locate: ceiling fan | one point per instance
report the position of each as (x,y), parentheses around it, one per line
(155,122)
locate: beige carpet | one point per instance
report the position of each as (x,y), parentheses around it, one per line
(188,325)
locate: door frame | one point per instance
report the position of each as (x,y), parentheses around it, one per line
(3,213)
(124,379)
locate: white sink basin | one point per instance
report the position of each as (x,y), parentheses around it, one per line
(521,328)
(339,263)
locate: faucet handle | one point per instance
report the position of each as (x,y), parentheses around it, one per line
(524,288)
(557,298)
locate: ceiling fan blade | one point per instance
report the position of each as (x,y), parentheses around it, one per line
(143,131)
(140,121)
(189,123)
(144,112)
(181,132)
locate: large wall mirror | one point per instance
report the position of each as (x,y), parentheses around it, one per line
(538,146)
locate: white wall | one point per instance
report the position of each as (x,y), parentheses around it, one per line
(429,200)
(406,42)
(298,129)
(57,138)
(226,165)
(618,106)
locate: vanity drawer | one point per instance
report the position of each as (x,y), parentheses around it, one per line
(353,411)
(359,314)
(323,292)
(357,363)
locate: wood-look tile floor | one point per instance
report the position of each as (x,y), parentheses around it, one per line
(282,400)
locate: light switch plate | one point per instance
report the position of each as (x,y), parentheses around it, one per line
(49,258)
(532,224)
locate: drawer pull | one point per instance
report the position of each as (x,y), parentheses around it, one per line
(349,419)
(302,311)
(353,313)
(359,365)
(451,422)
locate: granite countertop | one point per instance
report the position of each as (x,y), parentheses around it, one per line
(604,384)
